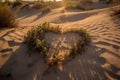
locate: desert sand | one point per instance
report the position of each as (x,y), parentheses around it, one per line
(100,61)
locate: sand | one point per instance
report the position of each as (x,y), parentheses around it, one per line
(100,61)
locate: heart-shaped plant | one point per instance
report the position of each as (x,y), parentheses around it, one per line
(55,46)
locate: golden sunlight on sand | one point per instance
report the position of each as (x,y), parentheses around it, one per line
(98,22)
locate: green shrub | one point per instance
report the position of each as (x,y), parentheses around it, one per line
(35,37)
(7,17)
(36,43)
(80,45)
(46,27)
(82,33)
(35,40)
(77,48)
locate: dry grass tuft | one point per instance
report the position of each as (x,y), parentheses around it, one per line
(7,17)
(78,48)
(35,37)
(82,33)
(36,43)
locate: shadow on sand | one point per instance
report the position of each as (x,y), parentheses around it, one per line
(88,66)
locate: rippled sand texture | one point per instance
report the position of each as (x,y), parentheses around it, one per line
(100,61)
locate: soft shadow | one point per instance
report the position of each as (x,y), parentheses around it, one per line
(83,67)
(71,17)
(88,66)
(28,12)
(40,16)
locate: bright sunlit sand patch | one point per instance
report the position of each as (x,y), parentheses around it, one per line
(58,0)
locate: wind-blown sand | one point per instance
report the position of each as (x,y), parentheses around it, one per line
(100,61)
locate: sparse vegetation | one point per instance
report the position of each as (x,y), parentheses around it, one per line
(35,37)
(35,41)
(7,17)
(78,48)
(83,34)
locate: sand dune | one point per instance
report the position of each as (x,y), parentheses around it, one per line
(32,17)
(100,61)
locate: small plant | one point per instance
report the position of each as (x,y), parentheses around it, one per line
(35,41)
(46,9)
(85,37)
(35,37)
(49,28)
(7,17)
(77,48)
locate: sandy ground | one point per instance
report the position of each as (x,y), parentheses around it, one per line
(100,61)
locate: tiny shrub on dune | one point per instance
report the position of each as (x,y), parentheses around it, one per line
(77,48)
(35,37)
(80,45)
(7,17)
(83,34)
(36,43)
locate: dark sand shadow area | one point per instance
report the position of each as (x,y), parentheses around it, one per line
(87,66)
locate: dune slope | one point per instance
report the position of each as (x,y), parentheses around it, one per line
(100,61)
